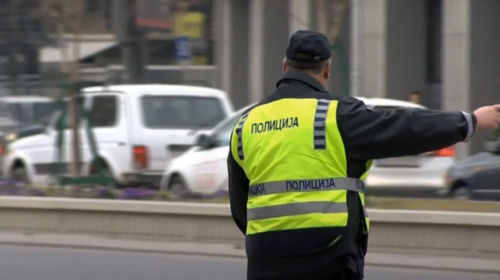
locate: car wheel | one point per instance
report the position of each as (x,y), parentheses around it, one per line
(19,174)
(461,193)
(177,188)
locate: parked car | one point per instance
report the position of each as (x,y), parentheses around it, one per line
(412,176)
(22,116)
(17,112)
(476,177)
(202,170)
(22,131)
(138,130)
(7,124)
(15,133)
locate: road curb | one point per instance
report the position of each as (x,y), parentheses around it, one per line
(435,268)
(228,251)
(120,244)
(118,249)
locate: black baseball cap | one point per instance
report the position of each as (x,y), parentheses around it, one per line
(308,47)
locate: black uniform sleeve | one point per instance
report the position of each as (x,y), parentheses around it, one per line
(238,184)
(371,133)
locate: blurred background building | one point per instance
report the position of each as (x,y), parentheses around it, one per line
(31,49)
(447,50)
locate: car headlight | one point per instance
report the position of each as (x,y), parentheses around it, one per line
(11,137)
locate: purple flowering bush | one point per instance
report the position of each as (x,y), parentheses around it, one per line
(13,188)
(140,193)
(35,192)
(220,193)
(105,193)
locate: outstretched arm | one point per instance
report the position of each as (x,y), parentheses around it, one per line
(371,133)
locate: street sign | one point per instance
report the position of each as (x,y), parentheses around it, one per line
(182,49)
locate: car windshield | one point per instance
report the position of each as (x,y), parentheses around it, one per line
(182,112)
(45,120)
(26,112)
(222,135)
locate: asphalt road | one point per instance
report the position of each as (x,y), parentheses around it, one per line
(23,263)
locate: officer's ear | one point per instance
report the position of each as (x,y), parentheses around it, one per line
(284,65)
(326,70)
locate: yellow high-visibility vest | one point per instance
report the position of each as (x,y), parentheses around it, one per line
(296,163)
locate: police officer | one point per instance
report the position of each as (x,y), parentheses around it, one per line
(298,160)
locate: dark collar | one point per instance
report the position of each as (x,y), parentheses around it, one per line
(302,78)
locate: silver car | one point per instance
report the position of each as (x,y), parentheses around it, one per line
(476,177)
(416,176)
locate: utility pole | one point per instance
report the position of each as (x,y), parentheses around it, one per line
(13,57)
(131,40)
(356,47)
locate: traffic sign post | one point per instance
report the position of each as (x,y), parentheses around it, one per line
(183,52)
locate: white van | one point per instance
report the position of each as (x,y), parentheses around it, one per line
(138,129)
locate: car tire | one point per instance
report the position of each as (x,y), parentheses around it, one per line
(461,193)
(177,188)
(19,174)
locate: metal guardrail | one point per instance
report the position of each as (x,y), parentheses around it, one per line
(410,232)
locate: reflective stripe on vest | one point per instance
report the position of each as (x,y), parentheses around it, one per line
(348,184)
(275,211)
(319,124)
(295,209)
(239,135)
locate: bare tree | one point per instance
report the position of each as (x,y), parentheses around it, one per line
(329,15)
(329,18)
(65,17)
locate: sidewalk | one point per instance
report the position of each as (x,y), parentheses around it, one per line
(220,250)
